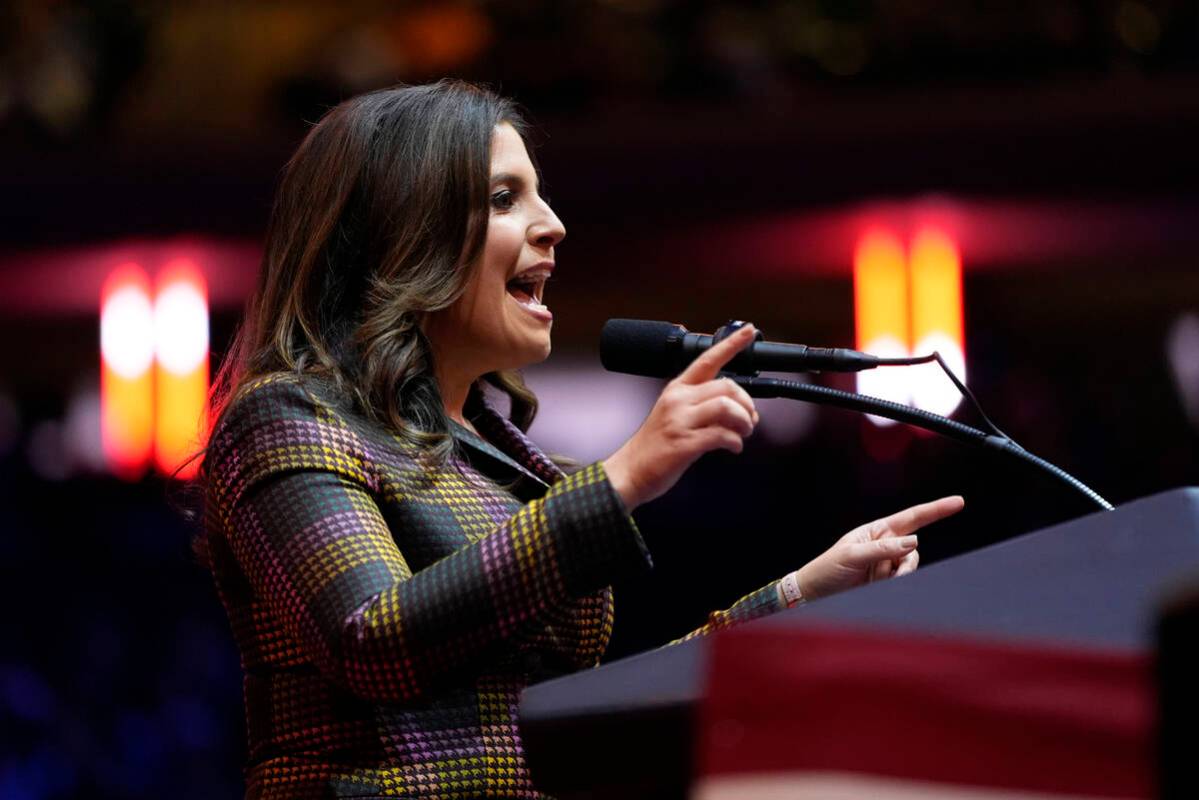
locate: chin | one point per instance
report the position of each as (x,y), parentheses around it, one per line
(524,355)
(541,353)
(536,352)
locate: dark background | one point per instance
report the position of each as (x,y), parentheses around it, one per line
(710,160)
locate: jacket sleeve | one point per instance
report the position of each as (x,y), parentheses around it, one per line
(766,600)
(296,490)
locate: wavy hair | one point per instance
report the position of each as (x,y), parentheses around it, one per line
(379,219)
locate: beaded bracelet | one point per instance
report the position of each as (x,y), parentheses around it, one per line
(792,595)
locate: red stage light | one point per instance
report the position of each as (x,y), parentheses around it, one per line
(910,306)
(126,363)
(181,377)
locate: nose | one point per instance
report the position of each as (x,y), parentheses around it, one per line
(547,230)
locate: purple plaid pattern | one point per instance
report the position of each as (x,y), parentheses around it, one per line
(388,616)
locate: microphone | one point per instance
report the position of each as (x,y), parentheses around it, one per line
(664,349)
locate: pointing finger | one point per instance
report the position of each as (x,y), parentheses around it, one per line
(711,361)
(913,519)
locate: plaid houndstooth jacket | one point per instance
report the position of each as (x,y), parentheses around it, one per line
(388,616)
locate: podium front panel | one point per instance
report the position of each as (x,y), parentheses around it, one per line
(1094,582)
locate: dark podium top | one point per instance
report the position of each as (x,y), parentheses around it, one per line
(1094,581)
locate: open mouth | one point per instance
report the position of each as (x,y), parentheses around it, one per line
(528,290)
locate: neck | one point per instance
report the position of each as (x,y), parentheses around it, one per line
(451,369)
(454,387)
(453,397)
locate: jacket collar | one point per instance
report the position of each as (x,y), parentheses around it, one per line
(502,441)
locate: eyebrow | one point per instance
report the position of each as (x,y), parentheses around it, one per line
(509,177)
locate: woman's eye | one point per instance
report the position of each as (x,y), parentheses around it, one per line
(503,200)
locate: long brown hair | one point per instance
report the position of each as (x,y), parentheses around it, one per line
(379,219)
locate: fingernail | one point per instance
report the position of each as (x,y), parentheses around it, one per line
(909,541)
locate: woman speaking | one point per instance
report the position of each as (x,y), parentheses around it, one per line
(397,560)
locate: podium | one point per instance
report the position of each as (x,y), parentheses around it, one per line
(1096,582)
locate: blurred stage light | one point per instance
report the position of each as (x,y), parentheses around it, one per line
(441,37)
(881,319)
(785,422)
(935,270)
(154,369)
(81,429)
(1182,352)
(910,306)
(126,361)
(181,379)
(1137,26)
(587,413)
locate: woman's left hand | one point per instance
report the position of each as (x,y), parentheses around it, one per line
(873,551)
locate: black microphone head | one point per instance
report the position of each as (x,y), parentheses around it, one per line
(641,347)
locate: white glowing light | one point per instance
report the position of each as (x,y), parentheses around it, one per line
(587,413)
(181,328)
(889,383)
(82,432)
(127,332)
(785,421)
(1182,351)
(930,387)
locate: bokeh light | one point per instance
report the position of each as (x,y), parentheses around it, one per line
(126,376)
(881,319)
(935,270)
(181,380)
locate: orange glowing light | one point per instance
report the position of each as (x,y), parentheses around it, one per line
(880,288)
(126,366)
(936,286)
(910,306)
(442,37)
(181,377)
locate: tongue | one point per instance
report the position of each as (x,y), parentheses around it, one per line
(520,294)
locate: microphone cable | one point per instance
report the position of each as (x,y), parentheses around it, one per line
(963,388)
(992,438)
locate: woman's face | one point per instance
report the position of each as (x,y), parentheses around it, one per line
(500,321)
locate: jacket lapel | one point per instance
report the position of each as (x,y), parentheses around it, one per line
(504,442)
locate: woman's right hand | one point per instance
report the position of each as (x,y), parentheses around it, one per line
(694,414)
